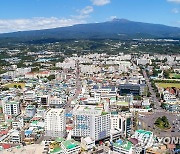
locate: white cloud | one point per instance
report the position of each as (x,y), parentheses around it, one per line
(12,25)
(175,10)
(87,10)
(100,2)
(174,1)
(84,13)
(112,17)
(37,23)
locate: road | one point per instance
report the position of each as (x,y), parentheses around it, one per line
(148,120)
(78,89)
(153,94)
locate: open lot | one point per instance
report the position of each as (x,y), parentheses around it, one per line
(11,85)
(166,85)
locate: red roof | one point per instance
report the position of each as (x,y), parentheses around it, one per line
(4,132)
(6,146)
(82,99)
(35,118)
(171,91)
(69,128)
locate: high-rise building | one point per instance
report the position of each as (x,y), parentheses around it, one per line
(122,122)
(91,121)
(55,123)
(11,108)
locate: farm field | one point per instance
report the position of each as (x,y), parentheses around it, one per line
(166,85)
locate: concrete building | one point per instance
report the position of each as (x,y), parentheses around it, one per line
(87,143)
(143,61)
(134,89)
(55,123)
(15,136)
(30,111)
(123,147)
(11,108)
(91,121)
(122,122)
(70,147)
(55,101)
(29,95)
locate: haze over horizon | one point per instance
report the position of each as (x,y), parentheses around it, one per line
(20,15)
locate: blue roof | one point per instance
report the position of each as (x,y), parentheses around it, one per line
(28,132)
(95,87)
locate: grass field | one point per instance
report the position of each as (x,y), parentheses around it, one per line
(175,76)
(168,85)
(11,85)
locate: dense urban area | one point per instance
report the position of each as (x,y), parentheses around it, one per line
(90,97)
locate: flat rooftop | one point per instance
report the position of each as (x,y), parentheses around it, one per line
(88,110)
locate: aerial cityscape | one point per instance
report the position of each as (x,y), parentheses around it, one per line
(101,81)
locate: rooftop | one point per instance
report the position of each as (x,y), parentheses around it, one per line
(143,132)
(69,144)
(88,110)
(123,144)
(12,102)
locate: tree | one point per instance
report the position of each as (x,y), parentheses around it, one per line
(163,105)
(15,86)
(51,77)
(5,88)
(164,119)
(19,86)
(152,105)
(166,74)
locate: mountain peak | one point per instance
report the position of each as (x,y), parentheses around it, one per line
(120,20)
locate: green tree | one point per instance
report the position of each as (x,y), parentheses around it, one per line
(166,73)
(51,77)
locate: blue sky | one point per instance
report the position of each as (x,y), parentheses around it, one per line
(18,15)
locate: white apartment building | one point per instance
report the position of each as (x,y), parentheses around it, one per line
(89,69)
(143,61)
(121,122)
(11,108)
(124,66)
(168,97)
(67,64)
(29,95)
(91,121)
(55,101)
(55,123)
(104,92)
(15,136)
(18,123)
